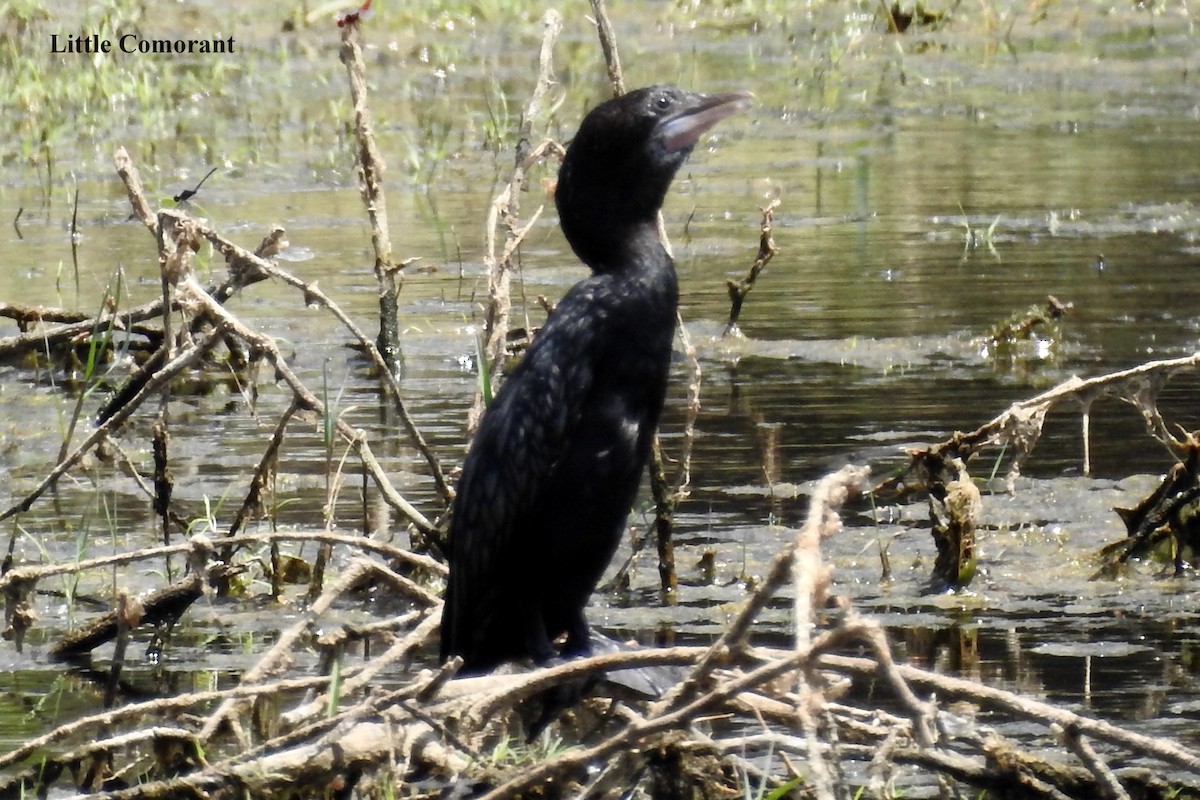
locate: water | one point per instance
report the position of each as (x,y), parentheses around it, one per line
(1066,152)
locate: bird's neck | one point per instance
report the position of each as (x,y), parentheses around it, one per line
(634,250)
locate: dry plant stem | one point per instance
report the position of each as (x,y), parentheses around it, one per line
(881,766)
(25,315)
(313,295)
(265,344)
(133,186)
(766,251)
(1080,746)
(247,267)
(949,688)
(407,588)
(279,774)
(820,778)
(41,338)
(492,693)
(891,19)
(334,480)
(608,43)
(831,489)
(507,204)
(1021,423)
(575,760)
(242,272)
(810,579)
(77,325)
(164,483)
(667,499)
(130,469)
(394,705)
(158,708)
(164,605)
(921,713)
(102,746)
(262,473)
(358,543)
(664,523)
(370,173)
(317,732)
(683,478)
(184,360)
(362,679)
(281,650)
(509,690)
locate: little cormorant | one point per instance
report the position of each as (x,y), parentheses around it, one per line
(556,462)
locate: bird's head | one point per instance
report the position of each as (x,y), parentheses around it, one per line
(622,160)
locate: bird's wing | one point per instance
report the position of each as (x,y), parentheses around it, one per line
(523,435)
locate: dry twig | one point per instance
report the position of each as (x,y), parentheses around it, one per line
(766,251)
(370,174)
(506,205)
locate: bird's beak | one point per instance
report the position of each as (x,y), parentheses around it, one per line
(685,128)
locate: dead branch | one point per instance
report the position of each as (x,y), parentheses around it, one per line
(574,760)
(162,607)
(830,493)
(667,496)
(949,688)
(184,360)
(161,707)
(314,296)
(506,205)
(739,289)
(370,177)
(1020,426)
(247,267)
(361,679)
(133,186)
(261,477)
(31,574)
(359,570)
(1078,744)
(195,294)
(414,717)
(608,43)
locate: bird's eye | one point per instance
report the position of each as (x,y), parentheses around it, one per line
(662,102)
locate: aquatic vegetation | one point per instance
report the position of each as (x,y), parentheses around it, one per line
(1030,336)
(58,100)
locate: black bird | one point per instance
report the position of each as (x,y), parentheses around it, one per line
(557,460)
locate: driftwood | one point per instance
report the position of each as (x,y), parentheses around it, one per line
(1166,515)
(162,607)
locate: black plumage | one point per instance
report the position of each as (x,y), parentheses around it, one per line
(557,459)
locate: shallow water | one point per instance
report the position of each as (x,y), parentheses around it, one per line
(1067,149)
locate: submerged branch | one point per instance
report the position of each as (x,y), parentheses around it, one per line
(1020,426)
(182,361)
